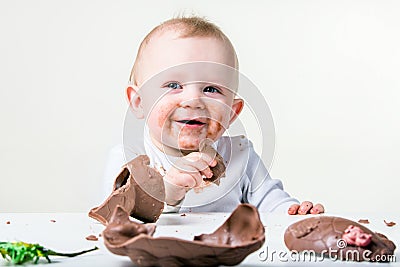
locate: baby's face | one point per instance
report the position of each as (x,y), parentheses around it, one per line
(187,103)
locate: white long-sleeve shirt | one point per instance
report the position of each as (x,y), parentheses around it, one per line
(246,178)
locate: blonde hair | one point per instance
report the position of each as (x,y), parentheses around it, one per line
(192,26)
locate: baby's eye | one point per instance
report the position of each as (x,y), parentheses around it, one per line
(211,89)
(174,85)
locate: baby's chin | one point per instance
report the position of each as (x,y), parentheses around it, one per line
(188,145)
(185,144)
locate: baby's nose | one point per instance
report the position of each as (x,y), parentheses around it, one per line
(192,98)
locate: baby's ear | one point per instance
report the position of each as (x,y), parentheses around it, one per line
(237,107)
(135,102)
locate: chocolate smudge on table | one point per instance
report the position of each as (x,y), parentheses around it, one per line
(365,221)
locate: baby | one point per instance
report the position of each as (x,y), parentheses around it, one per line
(183,86)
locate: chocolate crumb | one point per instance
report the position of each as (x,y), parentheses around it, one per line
(363,221)
(390,224)
(8,222)
(53,221)
(183,214)
(92,238)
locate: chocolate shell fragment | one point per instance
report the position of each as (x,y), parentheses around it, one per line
(219,169)
(323,235)
(241,234)
(139,189)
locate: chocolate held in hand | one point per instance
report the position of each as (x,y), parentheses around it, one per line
(241,234)
(219,169)
(342,238)
(139,189)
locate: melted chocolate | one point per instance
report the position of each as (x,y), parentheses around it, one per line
(241,234)
(139,189)
(323,234)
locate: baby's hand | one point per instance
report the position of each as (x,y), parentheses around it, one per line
(185,174)
(306,207)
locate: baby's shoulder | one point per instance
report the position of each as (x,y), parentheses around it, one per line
(233,144)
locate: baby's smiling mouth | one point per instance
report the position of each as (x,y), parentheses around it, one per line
(193,122)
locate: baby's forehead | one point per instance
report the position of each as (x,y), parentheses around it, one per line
(169,35)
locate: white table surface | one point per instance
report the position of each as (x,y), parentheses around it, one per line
(69,231)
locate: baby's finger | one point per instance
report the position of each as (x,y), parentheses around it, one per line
(193,167)
(317,209)
(191,177)
(211,161)
(198,156)
(181,178)
(203,168)
(305,207)
(293,209)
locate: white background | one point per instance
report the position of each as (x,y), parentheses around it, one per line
(329,71)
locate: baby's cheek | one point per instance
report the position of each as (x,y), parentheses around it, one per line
(215,128)
(163,113)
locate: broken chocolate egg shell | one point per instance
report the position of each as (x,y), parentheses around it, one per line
(323,235)
(139,189)
(219,169)
(241,234)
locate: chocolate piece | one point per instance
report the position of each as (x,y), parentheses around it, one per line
(241,234)
(53,221)
(323,235)
(363,221)
(139,189)
(92,238)
(390,224)
(219,169)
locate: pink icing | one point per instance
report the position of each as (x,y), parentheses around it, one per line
(353,235)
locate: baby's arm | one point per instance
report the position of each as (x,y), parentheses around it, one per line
(186,173)
(269,195)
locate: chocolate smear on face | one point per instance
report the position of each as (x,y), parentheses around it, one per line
(323,235)
(139,189)
(219,169)
(241,234)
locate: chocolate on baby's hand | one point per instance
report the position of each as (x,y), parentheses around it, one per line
(219,169)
